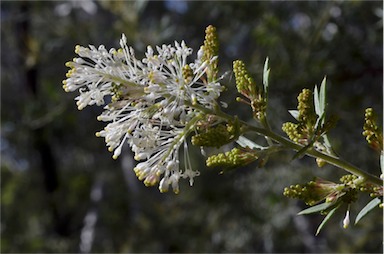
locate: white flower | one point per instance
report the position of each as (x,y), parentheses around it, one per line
(97,70)
(158,150)
(167,80)
(124,117)
(152,107)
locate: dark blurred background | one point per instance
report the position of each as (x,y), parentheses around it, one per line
(62,192)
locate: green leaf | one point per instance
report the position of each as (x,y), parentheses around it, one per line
(316,208)
(316,101)
(294,113)
(326,219)
(382,162)
(327,143)
(266,77)
(319,98)
(371,205)
(323,94)
(319,122)
(244,142)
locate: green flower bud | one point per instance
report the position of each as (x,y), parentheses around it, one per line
(314,192)
(117,93)
(247,87)
(259,106)
(234,158)
(348,179)
(320,162)
(187,73)
(211,49)
(305,107)
(213,137)
(244,83)
(372,132)
(376,191)
(303,131)
(211,42)
(291,129)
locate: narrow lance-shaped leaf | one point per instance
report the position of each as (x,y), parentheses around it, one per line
(319,98)
(327,143)
(244,142)
(326,219)
(319,122)
(371,205)
(266,77)
(316,101)
(316,208)
(323,95)
(295,113)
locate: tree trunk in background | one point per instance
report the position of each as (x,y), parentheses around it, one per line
(40,138)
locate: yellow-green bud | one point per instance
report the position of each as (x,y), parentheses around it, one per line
(316,191)
(211,49)
(187,73)
(291,129)
(372,132)
(305,107)
(259,105)
(244,83)
(211,42)
(247,87)
(348,179)
(234,158)
(320,162)
(213,137)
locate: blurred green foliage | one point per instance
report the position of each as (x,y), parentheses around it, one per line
(62,192)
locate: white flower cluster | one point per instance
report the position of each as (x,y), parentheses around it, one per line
(151,103)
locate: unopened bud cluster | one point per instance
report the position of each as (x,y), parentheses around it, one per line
(304,129)
(348,179)
(316,191)
(305,108)
(353,182)
(211,48)
(292,131)
(311,193)
(244,82)
(372,131)
(247,87)
(187,73)
(234,158)
(214,136)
